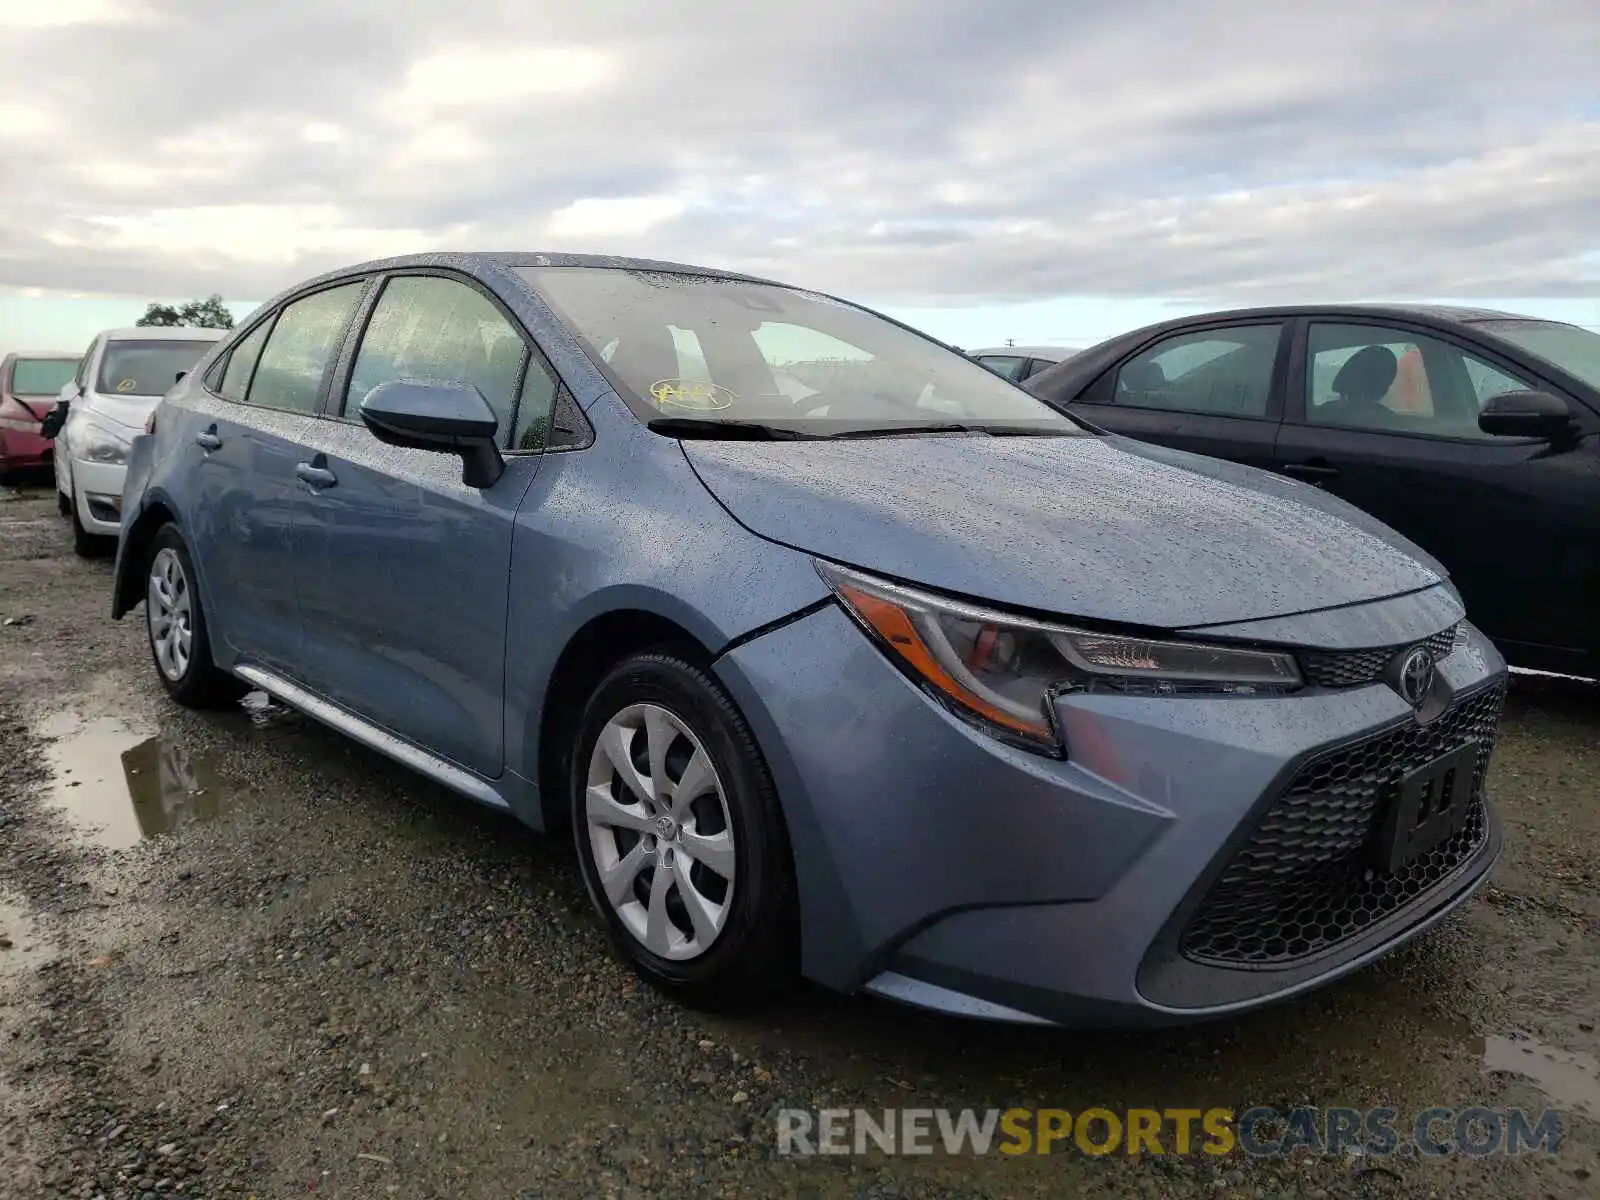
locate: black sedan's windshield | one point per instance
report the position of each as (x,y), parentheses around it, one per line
(147,368)
(1571,347)
(726,350)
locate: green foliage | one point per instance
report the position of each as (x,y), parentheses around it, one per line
(209,313)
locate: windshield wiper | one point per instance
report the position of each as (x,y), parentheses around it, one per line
(898,430)
(992,430)
(731,431)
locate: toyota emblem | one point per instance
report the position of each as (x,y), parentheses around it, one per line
(1414,680)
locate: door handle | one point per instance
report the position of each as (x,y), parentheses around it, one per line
(207,440)
(1310,470)
(315,477)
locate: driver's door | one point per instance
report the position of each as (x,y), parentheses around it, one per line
(401,568)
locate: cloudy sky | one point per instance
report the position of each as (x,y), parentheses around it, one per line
(1040,169)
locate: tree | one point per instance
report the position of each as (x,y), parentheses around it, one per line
(209,313)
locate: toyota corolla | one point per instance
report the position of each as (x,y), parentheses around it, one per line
(836,653)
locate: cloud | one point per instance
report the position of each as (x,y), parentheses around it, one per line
(915,153)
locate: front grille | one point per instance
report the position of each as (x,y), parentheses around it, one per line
(1353,668)
(1306,879)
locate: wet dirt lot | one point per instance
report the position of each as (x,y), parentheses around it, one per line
(240,956)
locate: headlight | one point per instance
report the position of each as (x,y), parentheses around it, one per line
(1003,671)
(102,446)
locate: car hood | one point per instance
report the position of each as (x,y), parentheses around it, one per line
(1092,527)
(127,411)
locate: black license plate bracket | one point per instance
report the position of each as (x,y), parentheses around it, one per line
(1431,804)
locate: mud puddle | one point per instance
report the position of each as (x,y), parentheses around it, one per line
(1569,1080)
(119,782)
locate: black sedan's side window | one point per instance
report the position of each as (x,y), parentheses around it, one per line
(1223,372)
(1396,381)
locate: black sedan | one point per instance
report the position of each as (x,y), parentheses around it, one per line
(1474,433)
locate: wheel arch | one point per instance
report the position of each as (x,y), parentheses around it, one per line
(601,642)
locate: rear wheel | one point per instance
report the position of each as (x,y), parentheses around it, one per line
(180,642)
(680,836)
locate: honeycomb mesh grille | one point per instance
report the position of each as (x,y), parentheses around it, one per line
(1306,880)
(1353,668)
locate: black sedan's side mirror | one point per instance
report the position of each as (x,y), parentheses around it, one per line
(453,418)
(1526,414)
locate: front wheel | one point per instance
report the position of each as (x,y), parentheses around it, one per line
(180,641)
(680,836)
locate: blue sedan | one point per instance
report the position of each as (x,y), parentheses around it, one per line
(838,654)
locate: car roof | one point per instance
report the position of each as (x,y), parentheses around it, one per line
(1444,314)
(161,333)
(511,259)
(1053,353)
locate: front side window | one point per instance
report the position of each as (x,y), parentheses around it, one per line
(715,349)
(41,376)
(1393,380)
(303,341)
(432,330)
(1223,372)
(147,368)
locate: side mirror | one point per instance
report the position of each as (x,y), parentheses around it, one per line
(180,376)
(453,418)
(1525,414)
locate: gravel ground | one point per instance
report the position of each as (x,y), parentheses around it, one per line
(327,975)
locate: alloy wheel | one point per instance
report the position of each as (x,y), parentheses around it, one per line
(659,831)
(169,603)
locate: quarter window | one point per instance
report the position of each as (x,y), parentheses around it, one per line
(1392,380)
(433,330)
(242,363)
(302,343)
(1224,372)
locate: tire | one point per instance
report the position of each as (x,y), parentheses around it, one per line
(63,504)
(745,950)
(185,669)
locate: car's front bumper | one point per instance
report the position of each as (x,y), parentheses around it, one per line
(97,490)
(942,868)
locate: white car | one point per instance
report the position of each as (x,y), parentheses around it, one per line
(119,382)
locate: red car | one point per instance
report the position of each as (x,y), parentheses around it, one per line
(29,384)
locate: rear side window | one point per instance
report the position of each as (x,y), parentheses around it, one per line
(302,343)
(434,330)
(242,363)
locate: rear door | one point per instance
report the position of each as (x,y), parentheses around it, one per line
(1214,390)
(1396,434)
(266,395)
(402,568)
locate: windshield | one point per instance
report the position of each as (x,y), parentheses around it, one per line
(146,368)
(41,376)
(1574,349)
(722,350)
